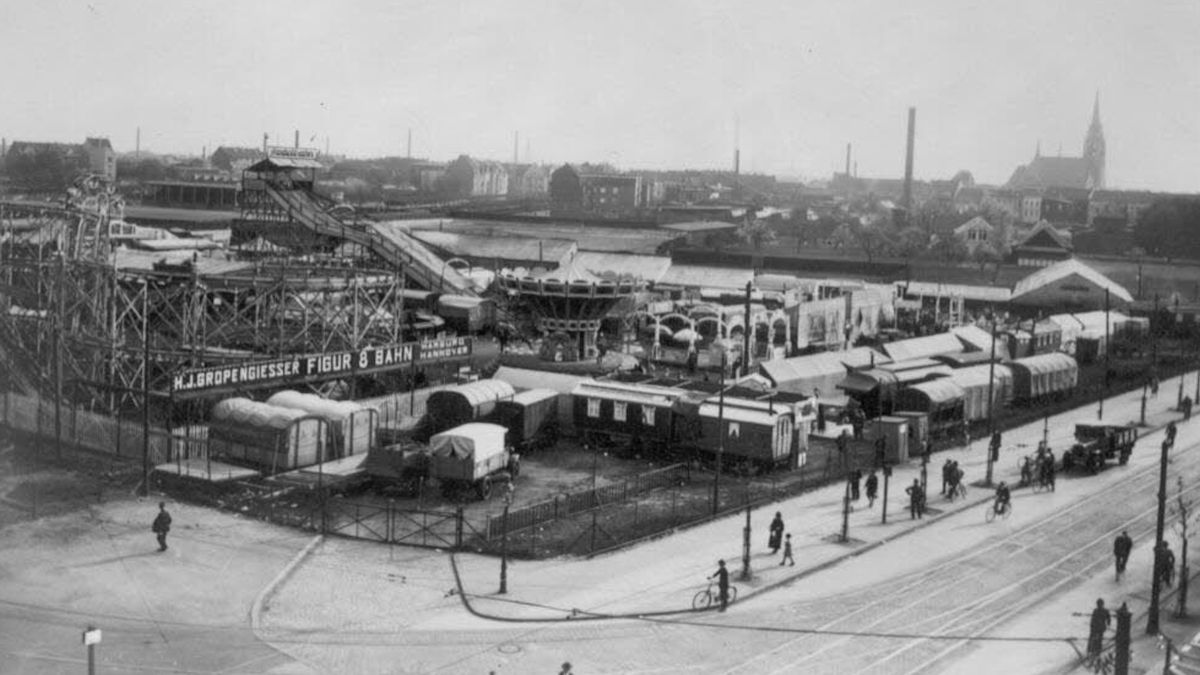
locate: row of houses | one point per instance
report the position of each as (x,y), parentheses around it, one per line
(53,166)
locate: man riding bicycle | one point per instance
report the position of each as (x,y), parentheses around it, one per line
(1003,496)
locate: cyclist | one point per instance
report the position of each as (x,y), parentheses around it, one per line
(1002,497)
(722,576)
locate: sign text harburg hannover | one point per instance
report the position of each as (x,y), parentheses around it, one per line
(319,366)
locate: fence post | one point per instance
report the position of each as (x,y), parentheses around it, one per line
(458,527)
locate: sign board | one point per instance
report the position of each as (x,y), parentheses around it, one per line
(91,637)
(316,367)
(291,153)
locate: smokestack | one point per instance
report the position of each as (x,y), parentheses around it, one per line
(847,160)
(409,155)
(737,143)
(516,147)
(296,143)
(908,158)
(137,145)
(265,138)
(856,168)
(737,162)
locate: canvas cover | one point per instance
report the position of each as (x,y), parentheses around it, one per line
(474,442)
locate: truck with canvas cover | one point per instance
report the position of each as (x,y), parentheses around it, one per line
(1097,442)
(472,456)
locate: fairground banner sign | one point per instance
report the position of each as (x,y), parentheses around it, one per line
(309,368)
(284,152)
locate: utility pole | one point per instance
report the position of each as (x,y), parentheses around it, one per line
(716,498)
(991,412)
(504,548)
(746,328)
(1156,585)
(887,478)
(1107,349)
(91,638)
(1142,419)
(846,510)
(145,388)
(745,576)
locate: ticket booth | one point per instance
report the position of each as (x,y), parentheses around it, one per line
(895,430)
(918,429)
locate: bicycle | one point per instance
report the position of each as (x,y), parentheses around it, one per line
(959,490)
(991,513)
(710,596)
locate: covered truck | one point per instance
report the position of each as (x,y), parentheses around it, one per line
(465,403)
(472,456)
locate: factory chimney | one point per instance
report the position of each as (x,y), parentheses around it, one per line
(847,160)
(737,150)
(296,143)
(137,146)
(266,137)
(409,151)
(908,158)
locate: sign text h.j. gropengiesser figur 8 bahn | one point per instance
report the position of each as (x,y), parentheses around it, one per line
(300,368)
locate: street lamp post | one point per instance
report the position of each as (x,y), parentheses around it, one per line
(991,413)
(1155,584)
(504,548)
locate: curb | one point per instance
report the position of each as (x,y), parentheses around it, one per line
(269,589)
(578,615)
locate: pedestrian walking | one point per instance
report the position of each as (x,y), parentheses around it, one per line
(872,489)
(161,526)
(1187,408)
(722,576)
(1168,563)
(994,447)
(843,445)
(787,553)
(1051,469)
(1121,548)
(1171,430)
(1153,386)
(855,484)
(946,468)
(1100,622)
(916,506)
(776,530)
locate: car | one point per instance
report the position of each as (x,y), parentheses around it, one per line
(1098,442)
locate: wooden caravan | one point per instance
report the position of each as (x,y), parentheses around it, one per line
(351,425)
(267,437)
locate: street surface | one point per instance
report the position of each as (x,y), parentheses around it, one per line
(928,596)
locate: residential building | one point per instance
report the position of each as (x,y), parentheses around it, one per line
(529,181)
(469,177)
(101,159)
(1042,246)
(978,231)
(610,193)
(235,160)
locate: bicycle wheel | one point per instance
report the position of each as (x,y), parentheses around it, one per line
(732,594)
(990,514)
(703,600)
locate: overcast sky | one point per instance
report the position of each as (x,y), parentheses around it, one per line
(640,84)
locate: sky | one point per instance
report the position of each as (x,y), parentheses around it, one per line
(640,84)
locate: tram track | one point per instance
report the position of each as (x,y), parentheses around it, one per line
(915,605)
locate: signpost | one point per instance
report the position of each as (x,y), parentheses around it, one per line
(91,638)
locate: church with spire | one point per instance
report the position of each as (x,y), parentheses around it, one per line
(1086,172)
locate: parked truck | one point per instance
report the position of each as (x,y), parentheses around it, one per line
(472,457)
(1097,442)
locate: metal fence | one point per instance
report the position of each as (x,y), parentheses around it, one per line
(572,503)
(81,428)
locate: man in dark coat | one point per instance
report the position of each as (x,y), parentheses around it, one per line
(776,529)
(161,526)
(1121,548)
(1100,622)
(722,576)
(1168,563)
(872,489)
(855,485)
(946,469)
(916,499)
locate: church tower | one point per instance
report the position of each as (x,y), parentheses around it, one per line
(1093,148)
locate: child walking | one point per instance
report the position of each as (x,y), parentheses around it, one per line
(787,552)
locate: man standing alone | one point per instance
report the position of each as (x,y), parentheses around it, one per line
(162,525)
(1121,548)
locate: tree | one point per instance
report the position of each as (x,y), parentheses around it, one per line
(1168,228)
(870,238)
(985,253)
(1183,509)
(911,242)
(948,250)
(756,233)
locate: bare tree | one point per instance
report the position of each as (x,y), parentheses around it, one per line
(1183,509)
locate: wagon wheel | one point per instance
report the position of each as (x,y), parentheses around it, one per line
(484,487)
(1093,464)
(514,467)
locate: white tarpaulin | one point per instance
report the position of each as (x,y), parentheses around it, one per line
(473,442)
